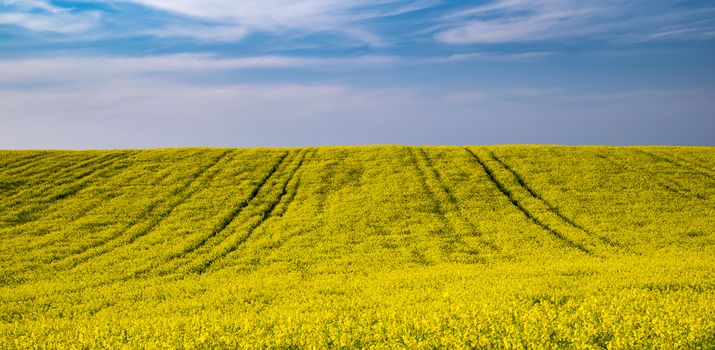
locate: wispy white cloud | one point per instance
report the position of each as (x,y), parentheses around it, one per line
(149,112)
(42,16)
(278,16)
(674,27)
(64,69)
(216,20)
(472,96)
(220,33)
(119,102)
(518,20)
(494,56)
(143,112)
(502,21)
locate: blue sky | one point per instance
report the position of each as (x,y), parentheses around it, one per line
(163,73)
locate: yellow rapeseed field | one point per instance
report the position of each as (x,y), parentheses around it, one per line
(518,247)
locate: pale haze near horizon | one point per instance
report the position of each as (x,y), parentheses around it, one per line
(139,73)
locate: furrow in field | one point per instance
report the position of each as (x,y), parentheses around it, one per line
(522,182)
(223,248)
(446,206)
(690,163)
(677,164)
(672,185)
(293,189)
(172,262)
(65,177)
(204,174)
(283,205)
(454,204)
(98,203)
(148,220)
(23,210)
(32,163)
(51,239)
(41,252)
(440,183)
(233,242)
(8,159)
(60,171)
(37,244)
(23,162)
(170,265)
(682,191)
(280,209)
(515,201)
(34,180)
(422,176)
(107,171)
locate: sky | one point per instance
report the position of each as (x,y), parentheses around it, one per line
(244,73)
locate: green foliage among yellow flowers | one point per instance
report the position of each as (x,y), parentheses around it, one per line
(519,247)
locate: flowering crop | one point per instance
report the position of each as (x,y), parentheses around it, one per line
(359,247)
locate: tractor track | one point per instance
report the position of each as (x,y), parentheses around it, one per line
(22,162)
(184,193)
(451,202)
(225,222)
(677,164)
(81,213)
(75,183)
(264,217)
(63,175)
(672,185)
(551,207)
(507,193)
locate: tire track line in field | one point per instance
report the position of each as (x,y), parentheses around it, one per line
(67,171)
(49,239)
(116,241)
(22,162)
(28,165)
(677,188)
(690,163)
(66,176)
(293,191)
(508,193)
(282,209)
(54,168)
(551,207)
(75,182)
(99,171)
(439,180)
(74,218)
(677,164)
(105,199)
(422,176)
(672,185)
(456,207)
(455,236)
(12,159)
(183,193)
(225,221)
(265,215)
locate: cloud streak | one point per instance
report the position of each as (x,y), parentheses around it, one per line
(240,18)
(362,22)
(131,107)
(505,21)
(42,16)
(152,113)
(495,56)
(40,72)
